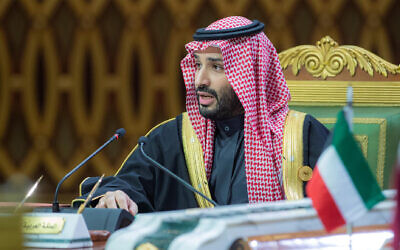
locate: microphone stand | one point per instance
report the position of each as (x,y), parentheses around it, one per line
(142,141)
(56,206)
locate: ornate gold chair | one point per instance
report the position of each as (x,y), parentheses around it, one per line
(318,77)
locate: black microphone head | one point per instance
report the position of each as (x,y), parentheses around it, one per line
(143,140)
(120,132)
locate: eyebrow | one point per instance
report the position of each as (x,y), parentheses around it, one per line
(212,59)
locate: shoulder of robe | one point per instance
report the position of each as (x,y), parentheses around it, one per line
(159,129)
(162,127)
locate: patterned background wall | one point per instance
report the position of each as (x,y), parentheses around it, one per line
(72,72)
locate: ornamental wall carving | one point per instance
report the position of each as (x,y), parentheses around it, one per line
(73,71)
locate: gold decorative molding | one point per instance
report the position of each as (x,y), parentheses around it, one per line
(147,246)
(333,93)
(382,122)
(327,58)
(363,141)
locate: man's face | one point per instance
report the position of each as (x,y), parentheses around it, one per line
(216,97)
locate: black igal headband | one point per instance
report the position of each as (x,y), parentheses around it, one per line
(247,30)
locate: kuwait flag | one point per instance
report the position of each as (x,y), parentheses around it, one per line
(342,187)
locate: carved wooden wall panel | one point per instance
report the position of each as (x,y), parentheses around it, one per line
(73,71)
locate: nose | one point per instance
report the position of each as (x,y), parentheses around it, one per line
(202,77)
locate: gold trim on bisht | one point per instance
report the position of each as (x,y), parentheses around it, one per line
(327,58)
(293,171)
(195,162)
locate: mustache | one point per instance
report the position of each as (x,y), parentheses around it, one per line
(207,90)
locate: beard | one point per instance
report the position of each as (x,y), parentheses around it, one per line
(228,104)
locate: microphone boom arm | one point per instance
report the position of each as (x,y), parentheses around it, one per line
(56,207)
(180,180)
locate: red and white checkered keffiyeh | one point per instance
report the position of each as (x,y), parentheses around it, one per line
(253,69)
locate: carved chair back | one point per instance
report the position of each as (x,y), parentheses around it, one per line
(318,77)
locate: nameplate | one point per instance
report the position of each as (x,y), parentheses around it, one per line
(55,230)
(42,225)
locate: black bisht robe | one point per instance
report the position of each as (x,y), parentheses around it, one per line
(154,190)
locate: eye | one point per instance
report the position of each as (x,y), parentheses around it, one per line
(197,65)
(218,67)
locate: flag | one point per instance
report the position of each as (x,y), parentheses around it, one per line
(343,187)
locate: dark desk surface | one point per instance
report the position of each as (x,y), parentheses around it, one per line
(6,204)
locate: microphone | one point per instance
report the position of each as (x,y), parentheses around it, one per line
(143,140)
(119,133)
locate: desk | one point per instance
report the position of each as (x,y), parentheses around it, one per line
(6,204)
(367,237)
(97,245)
(279,225)
(252,226)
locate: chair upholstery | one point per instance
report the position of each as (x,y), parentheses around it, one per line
(318,77)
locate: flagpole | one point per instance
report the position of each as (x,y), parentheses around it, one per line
(348,109)
(396,221)
(349,231)
(348,114)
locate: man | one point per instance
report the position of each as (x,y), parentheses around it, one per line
(230,143)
